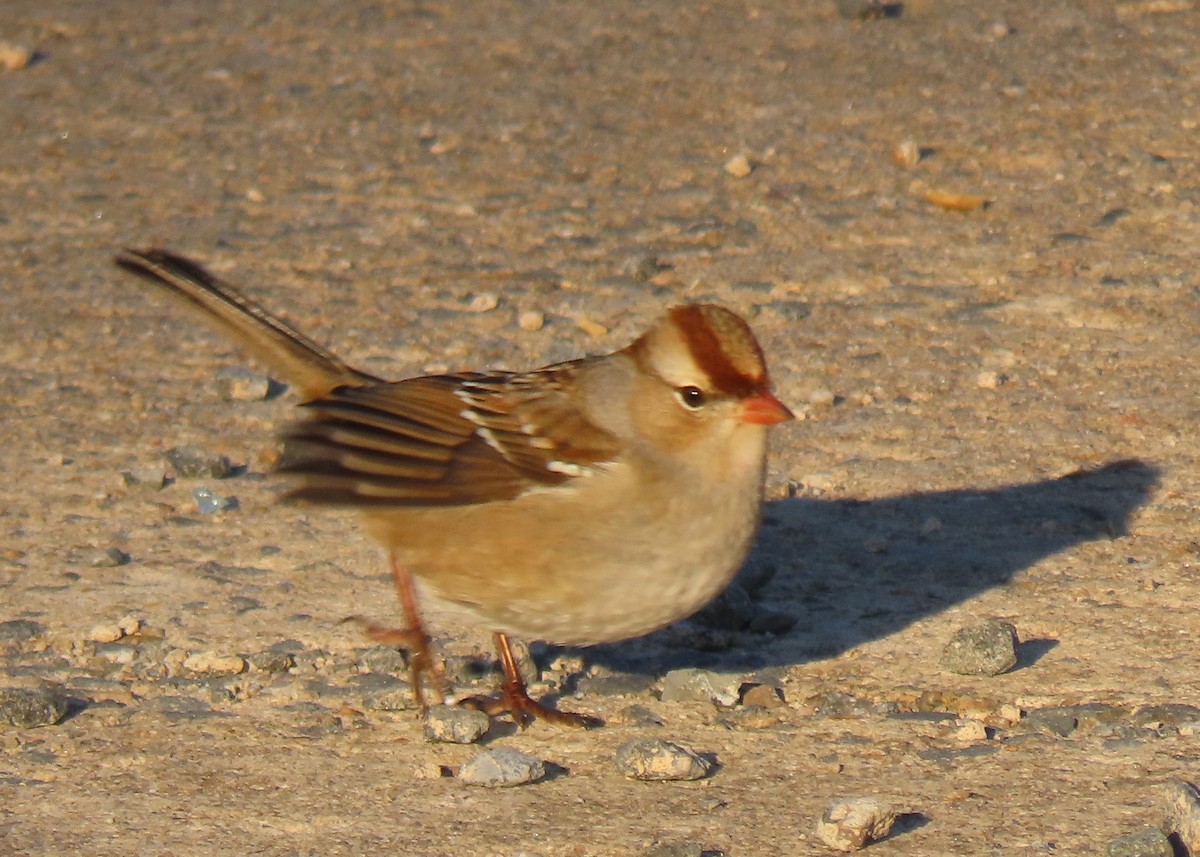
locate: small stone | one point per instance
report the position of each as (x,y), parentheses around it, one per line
(20,630)
(239,384)
(210,663)
(696,685)
(674,849)
(732,610)
(453,725)
(483,302)
(988,648)
(270,661)
(652,759)
(821,398)
(27,707)
(1056,721)
(850,823)
(592,328)
(105,633)
(739,166)
(906,154)
(1183,813)
(209,502)
(1172,714)
(382,659)
(1143,843)
(152,476)
(531,320)
(764,696)
(501,767)
(429,771)
(192,462)
(971,732)
(129,625)
(109,558)
(637,715)
(989,380)
(15,57)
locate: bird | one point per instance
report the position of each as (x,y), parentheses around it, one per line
(584,502)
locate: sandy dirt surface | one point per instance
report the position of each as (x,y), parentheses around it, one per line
(998,409)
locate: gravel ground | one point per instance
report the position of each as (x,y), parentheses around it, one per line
(966,234)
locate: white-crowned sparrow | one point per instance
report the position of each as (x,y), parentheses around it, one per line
(585,502)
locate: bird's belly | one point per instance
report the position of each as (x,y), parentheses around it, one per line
(540,571)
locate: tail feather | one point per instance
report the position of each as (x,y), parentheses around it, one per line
(296,358)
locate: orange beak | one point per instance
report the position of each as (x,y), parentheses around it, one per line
(763,409)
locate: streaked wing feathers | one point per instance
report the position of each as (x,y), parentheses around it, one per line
(443,440)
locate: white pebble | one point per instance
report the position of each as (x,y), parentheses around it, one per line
(989,380)
(821,398)
(531,320)
(502,766)
(211,662)
(849,823)
(484,302)
(652,759)
(105,634)
(739,166)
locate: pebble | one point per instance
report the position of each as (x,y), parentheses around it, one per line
(14,57)
(1056,721)
(987,648)
(192,462)
(764,696)
(20,630)
(208,501)
(674,849)
(652,759)
(1143,843)
(1183,813)
(850,823)
(151,476)
(990,380)
(239,384)
(109,558)
(483,302)
(1173,714)
(531,320)
(821,398)
(27,707)
(384,692)
(453,725)
(211,663)
(105,634)
(502,767)
(739,166)
(271,661)
(692,685)
(906,154)
(732,610)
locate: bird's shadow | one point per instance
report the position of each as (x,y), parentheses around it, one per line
(829,575)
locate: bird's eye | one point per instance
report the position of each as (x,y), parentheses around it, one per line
(693,398)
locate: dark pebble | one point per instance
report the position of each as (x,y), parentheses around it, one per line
(1056,721)
(615,684)
(20,630)
(675,849)
(270,661)
(192,462)
(1144,843)
(26,708)
(732,610)
(987,648)
(1172,714)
